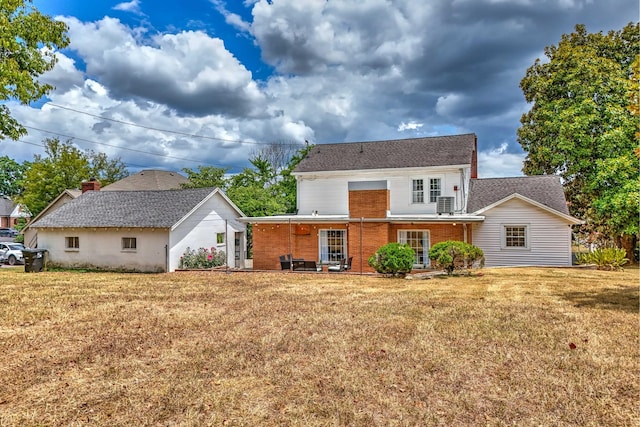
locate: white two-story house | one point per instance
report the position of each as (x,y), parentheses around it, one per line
(355,197)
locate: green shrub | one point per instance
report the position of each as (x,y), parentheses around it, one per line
(604,258)
(393,259)
(451,255)
(202,258)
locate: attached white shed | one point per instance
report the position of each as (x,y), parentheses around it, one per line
(526,221)
(142,230)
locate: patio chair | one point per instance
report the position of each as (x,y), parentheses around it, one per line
(285,262)
(338,267)
(345,264)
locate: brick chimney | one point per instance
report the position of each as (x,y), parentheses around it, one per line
(91,185)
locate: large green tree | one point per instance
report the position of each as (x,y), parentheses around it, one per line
(28,40)
(64,166)
(580,126)
(11,176)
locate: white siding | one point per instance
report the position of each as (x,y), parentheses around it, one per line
(328,194)
(103,248)
(549,236)
(200,229)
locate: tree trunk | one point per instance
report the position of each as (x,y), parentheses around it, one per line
(627,242)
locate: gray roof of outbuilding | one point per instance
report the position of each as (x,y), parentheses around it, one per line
(6,206)
(391,154)
(544,189)
(148,179)
(139,209)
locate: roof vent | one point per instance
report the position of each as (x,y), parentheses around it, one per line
(444,204)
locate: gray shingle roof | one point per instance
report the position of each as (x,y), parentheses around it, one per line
(148,180)
(399,153)
(6,206)
(145,209)
(544,189)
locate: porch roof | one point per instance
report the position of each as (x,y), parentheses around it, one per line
(394,218)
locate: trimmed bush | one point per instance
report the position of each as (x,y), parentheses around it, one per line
(454,255)
(393,259)
(202,258)
(604,258)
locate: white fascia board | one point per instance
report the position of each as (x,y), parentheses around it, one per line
(444,218)
(566,217)
(387,171)
(282,219)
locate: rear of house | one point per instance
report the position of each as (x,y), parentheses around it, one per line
(355,197)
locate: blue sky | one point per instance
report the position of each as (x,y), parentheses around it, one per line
(172,85)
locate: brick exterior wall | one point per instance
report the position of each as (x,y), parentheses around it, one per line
(363,238)
(272,240)
(369,203)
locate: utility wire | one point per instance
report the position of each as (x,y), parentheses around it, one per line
(42,146)
(161,130)
(114,146)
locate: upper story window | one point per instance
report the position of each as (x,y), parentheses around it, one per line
(435,189)
(72,242)
(417,193)
(129,243)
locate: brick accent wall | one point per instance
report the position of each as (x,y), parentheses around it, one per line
(369,203)
(272,240)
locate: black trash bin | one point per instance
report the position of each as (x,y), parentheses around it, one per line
(35,260)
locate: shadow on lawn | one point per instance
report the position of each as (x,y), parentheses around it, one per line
(619,298)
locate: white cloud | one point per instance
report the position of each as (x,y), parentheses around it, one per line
(232,19)
(498,162)
(188,71)
(132,6)
(409,126)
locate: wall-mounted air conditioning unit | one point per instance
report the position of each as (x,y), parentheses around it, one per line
(444,205)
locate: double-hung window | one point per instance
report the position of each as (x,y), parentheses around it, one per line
(515,237)
(332,245)
(417,191)
(435,189)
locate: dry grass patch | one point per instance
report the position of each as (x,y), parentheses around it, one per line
(315,349)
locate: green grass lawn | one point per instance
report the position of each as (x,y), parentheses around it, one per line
(514,346)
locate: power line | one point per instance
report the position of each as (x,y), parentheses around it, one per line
(161,130)
(43,146)
(116,146)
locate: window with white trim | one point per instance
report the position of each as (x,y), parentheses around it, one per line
(129,243)
(332,245)
(417,191)
(72,242)
(435,189)
(220,238)
(419,241)
(515,237)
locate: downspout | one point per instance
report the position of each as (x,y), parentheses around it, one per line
(361,252)
(290,250)
(226,242)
